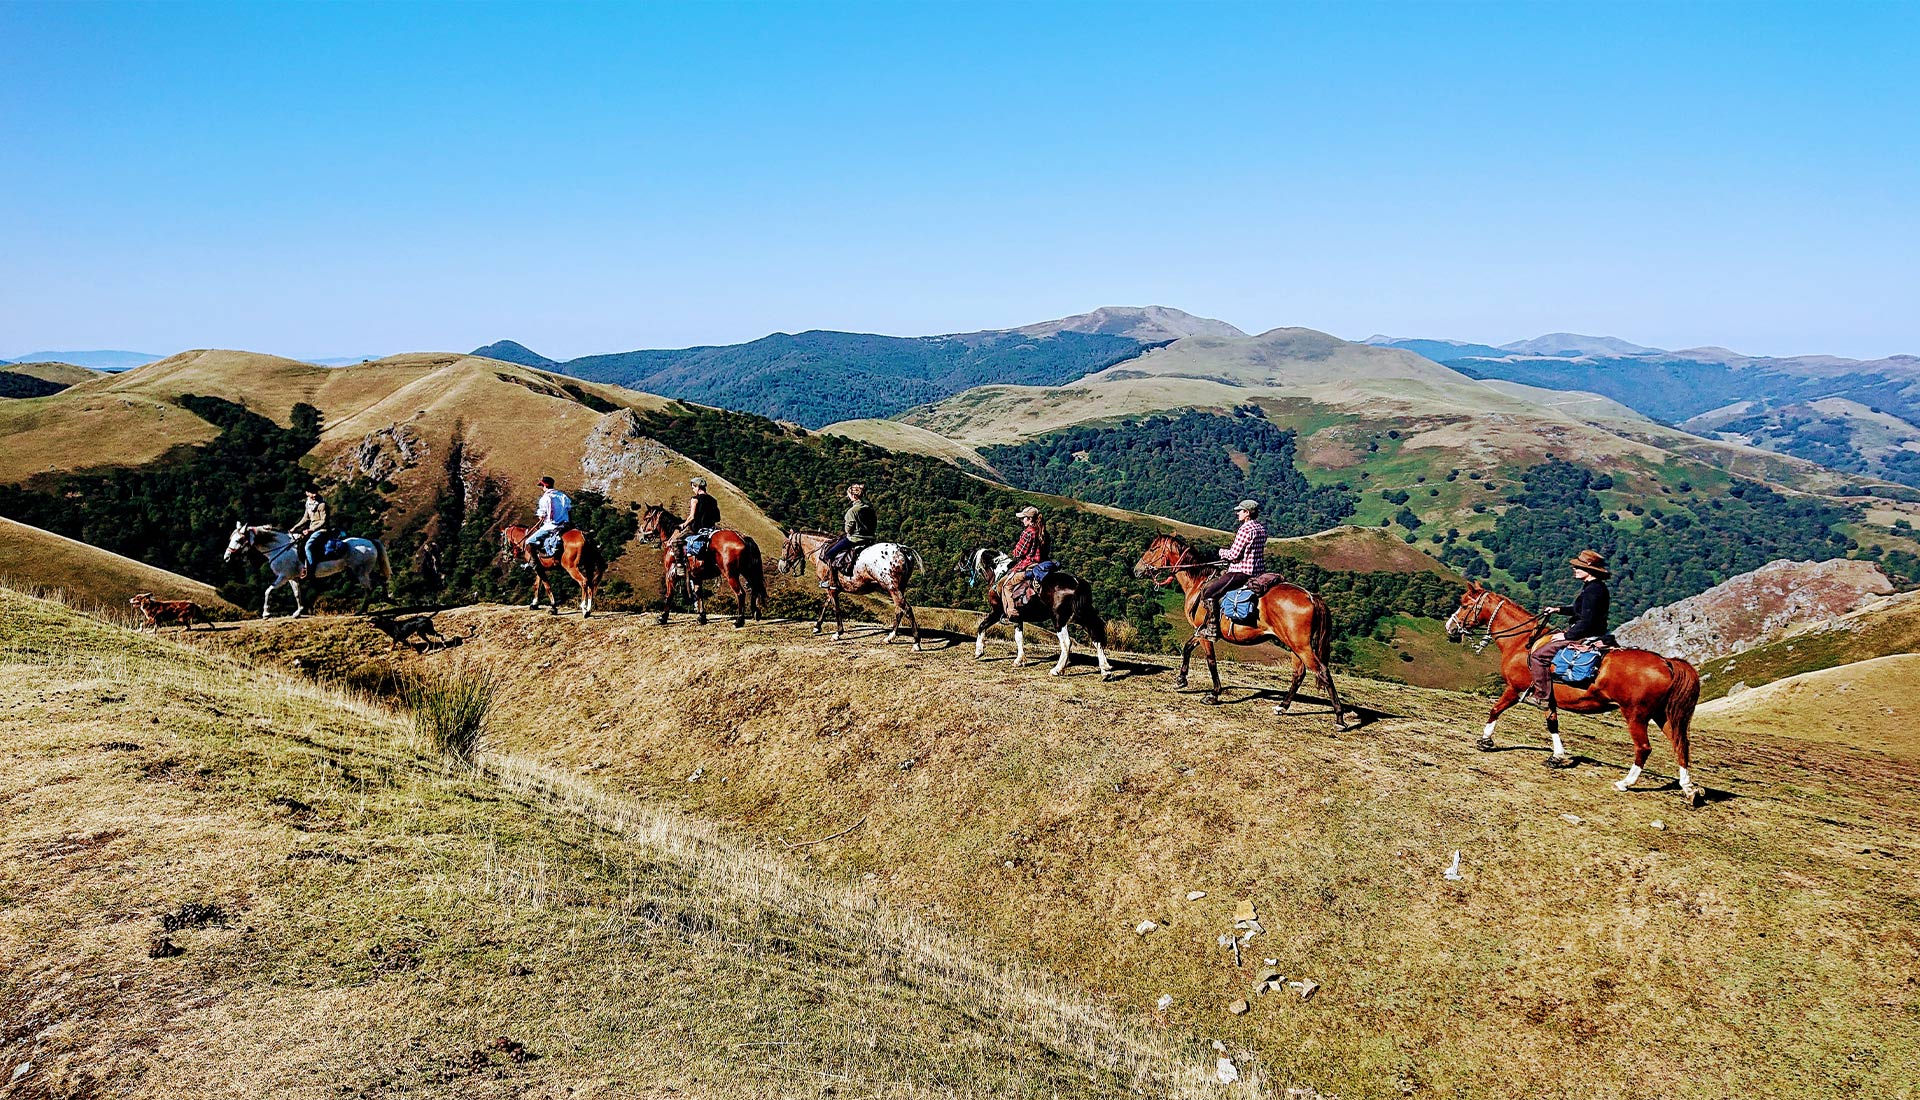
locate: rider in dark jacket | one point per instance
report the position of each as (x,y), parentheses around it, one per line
(1589,614)
(859,527)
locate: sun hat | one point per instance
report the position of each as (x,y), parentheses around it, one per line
(1592,562)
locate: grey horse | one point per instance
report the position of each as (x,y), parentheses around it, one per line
(365,558)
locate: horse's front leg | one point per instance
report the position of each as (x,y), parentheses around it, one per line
(1186,657)
(266,600)
(1019,644)
(666,592)
(1507,699)
(980,636)
(299,604)
(839,617)
(820,619)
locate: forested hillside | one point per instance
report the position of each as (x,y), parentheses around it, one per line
(1193,466)
(1661,551)
(816,378)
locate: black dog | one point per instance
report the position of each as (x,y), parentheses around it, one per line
(420,626)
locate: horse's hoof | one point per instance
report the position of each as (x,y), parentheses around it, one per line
(917,648)
(836,637)
(662,620)
(1559,761)
(1621,785)
(1180,684)
(1210,699)
(1485,744)
(703,620)
(1107,674)
(1283,707)
(1696,797)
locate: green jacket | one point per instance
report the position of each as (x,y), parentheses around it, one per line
(861,523)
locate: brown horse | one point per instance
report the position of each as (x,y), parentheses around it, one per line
(578,556)
(1063,600)
(879,566)
(731,556)
(1286,614)
(1643,684)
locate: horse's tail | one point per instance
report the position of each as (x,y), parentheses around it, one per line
(1085,615)
(386,567)
(919,566)
(753,568)
(1682,696)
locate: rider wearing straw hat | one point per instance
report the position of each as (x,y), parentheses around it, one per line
(1246,559)
(1589,613)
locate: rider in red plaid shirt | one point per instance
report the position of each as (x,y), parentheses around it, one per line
(1246,559)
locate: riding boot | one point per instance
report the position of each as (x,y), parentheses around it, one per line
(1210,620)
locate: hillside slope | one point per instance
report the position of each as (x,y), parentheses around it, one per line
(32,559)
(221,883)
(1869,704)
(1053,816)
(1885,627)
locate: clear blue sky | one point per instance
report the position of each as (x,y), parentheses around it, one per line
(335,179)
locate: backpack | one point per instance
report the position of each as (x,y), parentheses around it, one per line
(1576,665)
(1239,606)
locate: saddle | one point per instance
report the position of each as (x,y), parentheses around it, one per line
(550,546)
(843,562)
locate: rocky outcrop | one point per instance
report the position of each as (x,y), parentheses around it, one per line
(381,454)
(616,448)
(1757,607)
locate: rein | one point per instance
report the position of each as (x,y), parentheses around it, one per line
(1529,625)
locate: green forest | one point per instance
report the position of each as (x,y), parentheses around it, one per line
(1684,544)
(1193,467)
(817,378)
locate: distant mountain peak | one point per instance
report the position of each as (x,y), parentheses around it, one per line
(1148,323)
(1564,344)
(507,351)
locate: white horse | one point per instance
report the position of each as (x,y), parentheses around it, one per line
(282,552)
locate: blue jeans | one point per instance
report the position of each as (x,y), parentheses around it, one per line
(535,536)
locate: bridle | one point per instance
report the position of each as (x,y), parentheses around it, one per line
(1527,625)
(1167,571)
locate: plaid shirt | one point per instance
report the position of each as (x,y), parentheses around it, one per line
(1248,554)
(1029,550)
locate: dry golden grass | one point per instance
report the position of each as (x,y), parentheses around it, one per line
(1762,946)
(220,882)
(32,559)
(63,373)
(1871,704)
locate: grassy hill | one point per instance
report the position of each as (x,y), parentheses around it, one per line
(36,560)
(219,882)
(1050,817)
(1868,704)
(39,379)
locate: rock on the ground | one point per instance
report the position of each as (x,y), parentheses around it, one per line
(1757,607)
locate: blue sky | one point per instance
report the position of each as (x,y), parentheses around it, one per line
(342,179)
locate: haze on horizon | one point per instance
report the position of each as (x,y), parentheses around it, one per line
(341,179)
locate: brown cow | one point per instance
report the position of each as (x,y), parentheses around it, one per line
(184,612)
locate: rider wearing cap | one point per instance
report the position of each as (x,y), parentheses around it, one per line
(311,530)
(1246,559)
(703,514)
(858,525)
(1032,548)
(1589,612)
(554,511)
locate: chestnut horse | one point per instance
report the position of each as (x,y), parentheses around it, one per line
(879,566)
(731,556)
(578,556)
(1287,614)
(1643,684)
(1063,600)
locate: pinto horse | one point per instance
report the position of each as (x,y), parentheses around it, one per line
(735,559)
(1062,599)
(1287,614)
(1643,684)
(578,556)
(879,566)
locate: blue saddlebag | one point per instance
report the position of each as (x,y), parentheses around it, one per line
(1239,606)
(1576,665)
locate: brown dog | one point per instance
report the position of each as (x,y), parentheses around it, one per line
(156,612)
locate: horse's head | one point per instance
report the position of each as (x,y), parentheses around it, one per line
(653,523)
(982,562)
(513,539)
(1472,612)
(1162,554)
(241,539)
(793,554)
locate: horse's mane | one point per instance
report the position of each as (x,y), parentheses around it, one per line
(1197,551)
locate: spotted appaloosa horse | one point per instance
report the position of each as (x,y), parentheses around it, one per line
(731,556)
(364,559)
(578,556)
(1643,684)
(1287,614)
(880,566)
(1062,599)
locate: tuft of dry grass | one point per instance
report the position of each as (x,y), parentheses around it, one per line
(449,708)
(345,917)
